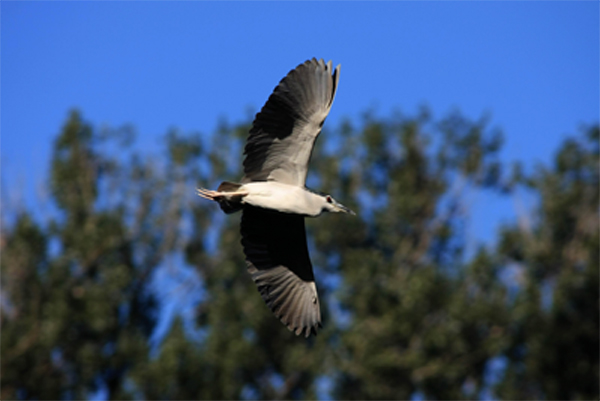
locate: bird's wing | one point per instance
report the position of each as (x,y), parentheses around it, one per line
(284,132)
(277,258)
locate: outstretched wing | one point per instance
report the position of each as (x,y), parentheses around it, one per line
(277,258)
(284,132)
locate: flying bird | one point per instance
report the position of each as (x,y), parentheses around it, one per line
(274,199)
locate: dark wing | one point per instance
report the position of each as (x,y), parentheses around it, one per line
(284,132)
(277,258)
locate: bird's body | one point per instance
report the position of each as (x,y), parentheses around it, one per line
(284,198)
(274,198)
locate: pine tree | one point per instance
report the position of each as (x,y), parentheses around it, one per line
(419,319)
(405,310)
(554,319)
(77,307)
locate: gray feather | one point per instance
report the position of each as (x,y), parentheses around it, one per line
(277,258)
(284,132)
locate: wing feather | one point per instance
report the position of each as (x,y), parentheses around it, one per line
(284,132)
(277,258)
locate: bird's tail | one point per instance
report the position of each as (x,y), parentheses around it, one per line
(228,196)
(230,204)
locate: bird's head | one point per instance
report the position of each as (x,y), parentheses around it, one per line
(331,205)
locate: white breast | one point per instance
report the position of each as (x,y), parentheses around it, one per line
(282,197)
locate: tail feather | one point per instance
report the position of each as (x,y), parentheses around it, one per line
(232,205)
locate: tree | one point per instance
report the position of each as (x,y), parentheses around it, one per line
(77,310)
(405,310)
(554,348)
(409,295)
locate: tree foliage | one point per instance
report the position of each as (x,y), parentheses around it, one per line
(407,310)
(553,350)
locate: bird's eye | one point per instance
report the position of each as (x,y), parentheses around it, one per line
(329,200)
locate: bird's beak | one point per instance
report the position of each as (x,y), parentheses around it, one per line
(343,209)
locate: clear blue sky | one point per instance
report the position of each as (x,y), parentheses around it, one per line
(533,65)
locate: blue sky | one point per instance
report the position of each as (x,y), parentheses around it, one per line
(533,65)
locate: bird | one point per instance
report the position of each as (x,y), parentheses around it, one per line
(273,196)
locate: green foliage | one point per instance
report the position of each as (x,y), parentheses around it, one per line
(80,316)
(405,285)
(553,352)
(404,310)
